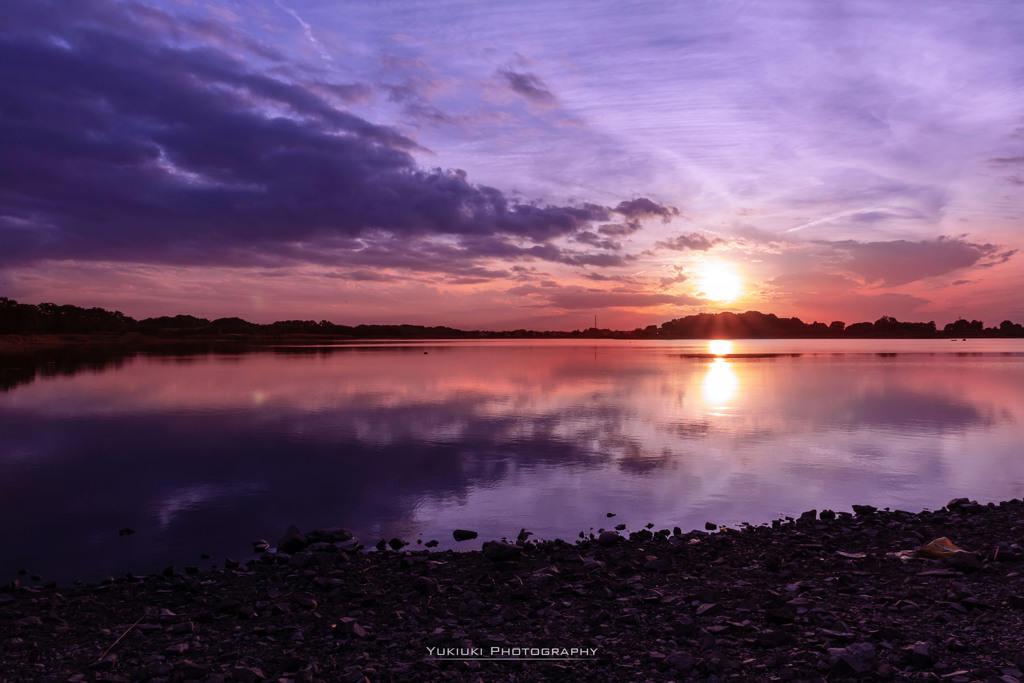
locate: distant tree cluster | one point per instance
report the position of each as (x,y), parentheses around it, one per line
(757,325)
(48,318)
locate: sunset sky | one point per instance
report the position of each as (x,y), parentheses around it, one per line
(526,164)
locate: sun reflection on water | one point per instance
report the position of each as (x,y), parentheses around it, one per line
(720,347)
(720,384)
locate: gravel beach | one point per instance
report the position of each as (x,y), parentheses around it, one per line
(829,596)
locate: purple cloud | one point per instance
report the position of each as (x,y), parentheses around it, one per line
(900,261)
(529,86)
(693,241)
(120,144)
(642,207)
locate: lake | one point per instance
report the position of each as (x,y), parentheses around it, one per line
(204,453)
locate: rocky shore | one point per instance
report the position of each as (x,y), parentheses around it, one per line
(829,596)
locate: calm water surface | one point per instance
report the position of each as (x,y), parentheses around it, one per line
(201,454)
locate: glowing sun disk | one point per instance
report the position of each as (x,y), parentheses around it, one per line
(719,282)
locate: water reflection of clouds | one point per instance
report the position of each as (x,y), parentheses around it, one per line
(413,444)
(190,498)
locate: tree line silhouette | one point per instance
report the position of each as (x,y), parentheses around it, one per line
(48,318)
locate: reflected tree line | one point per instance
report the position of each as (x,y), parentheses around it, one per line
(48,318)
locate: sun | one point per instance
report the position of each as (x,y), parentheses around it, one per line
(719,282)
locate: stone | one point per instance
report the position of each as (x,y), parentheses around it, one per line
(500,551)
(864,510)
(964,561)
(710,526)
(106,663)
(921,655)
(464,534)
(293,541)
(608,538)
(682,662)
(397,543)
(853,660)
(809,516)
(247,674)
(425,585)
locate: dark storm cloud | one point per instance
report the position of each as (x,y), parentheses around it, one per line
(899,262)
(693,241)
(120,142)
(528,86)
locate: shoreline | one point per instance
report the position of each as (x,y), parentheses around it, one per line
(133,342)
(823,597)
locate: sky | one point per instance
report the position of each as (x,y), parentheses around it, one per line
(514,165)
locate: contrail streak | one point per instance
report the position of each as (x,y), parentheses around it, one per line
(308,31)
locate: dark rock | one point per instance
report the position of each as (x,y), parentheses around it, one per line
(425,585)
(682,662)
(658,564)
(293,541)
(921,655)
(247,674)
(397,543)
(864,510)
(463,535)
(710,526)
(608,539)
(1006,552)
(827,515)
(853,660)
(126,531)
(106,663)
(809,516)
(500,551)
(964,561)
(190,670)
